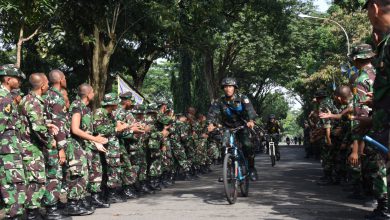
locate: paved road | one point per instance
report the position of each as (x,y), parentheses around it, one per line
(287,191)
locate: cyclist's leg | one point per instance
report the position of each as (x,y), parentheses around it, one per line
(248,150)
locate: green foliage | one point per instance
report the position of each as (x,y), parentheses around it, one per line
(274,103)
(290,126)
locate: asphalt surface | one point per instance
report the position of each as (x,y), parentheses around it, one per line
(286,191)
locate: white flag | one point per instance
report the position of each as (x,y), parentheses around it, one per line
(123,87)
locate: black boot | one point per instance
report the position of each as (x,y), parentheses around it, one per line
(87,205)
(381,212)
(144,189)
(52,213)
(33,214)
(73,208)
(129,192)
(171,178)
(163,180)
(98,201)
(187,177)
(113,196)
(18,217)
(155,184)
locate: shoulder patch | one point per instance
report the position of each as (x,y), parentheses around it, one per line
(246,100)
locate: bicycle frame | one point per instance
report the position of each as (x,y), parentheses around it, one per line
(238,156)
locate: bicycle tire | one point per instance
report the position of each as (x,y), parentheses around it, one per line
(244,184)
(229,179)
(273,160)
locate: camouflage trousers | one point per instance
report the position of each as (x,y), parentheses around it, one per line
(12,176)
(167,162)
(95,172)
(213,151)
(374,172)
(328,158)
(179,155)
(189,147)
(155,163)
(200,157)
(77,172)
(34,166)
(129,172)
(54,178)
(114,165)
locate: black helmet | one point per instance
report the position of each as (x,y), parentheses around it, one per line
(229,81)
(272,116)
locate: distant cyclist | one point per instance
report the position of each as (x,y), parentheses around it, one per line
(273,129)
(233,110)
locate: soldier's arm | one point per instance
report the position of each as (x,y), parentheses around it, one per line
(56,111)
(249,108)
(214,113)
(5,112)
(38,124)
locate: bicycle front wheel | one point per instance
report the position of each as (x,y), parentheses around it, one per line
(273,160)
(229,178)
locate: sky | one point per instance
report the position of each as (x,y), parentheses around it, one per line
(323,5)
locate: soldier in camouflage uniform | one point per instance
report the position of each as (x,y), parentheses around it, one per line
(12,176)
(129,174)
(177,136)
(138,151)
(57,112)
(105,124)
(328,148)
(233,110)
(12,184)
(81,142)
(36,138)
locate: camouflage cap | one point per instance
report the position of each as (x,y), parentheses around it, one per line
(11,70)
(161,100)
(152,108)
(362,51)
(128,96)
(110,99)
(139,109)
(320,93)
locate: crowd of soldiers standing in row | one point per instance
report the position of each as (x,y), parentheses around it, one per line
(119,151)
(337,129)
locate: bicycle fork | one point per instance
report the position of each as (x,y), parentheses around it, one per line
(272,149)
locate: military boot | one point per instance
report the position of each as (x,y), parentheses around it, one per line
(74,208)
(253,174)
(381,212)
(98,201)
(113,196)
(163,180)
(144,189)
(52,213)
(129,192)
(171,178)
(87,205)
(155,184)
(33,214)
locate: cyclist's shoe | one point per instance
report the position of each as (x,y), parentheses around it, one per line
(220,179)
(253,174)
(277,156)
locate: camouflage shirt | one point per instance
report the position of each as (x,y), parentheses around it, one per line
(231,113)
(9,120)
(104,123)
(86,125)
(125,116)
(33,116)
(56,111)
(327,105)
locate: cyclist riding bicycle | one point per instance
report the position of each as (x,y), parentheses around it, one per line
(233,110)
(273,129)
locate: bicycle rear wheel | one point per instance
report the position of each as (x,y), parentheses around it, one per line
(229,178)
(244,184)
(273,160)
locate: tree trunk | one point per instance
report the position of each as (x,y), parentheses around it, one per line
(100,61)
(185,77)
(209,74)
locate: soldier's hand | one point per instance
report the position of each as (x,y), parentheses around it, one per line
(147,128)
(120,126)
(353,159)
(211,127)
(164,148)
(53,129)
(250,124)
(100,147)
(165,133)
(62,156)
(101,140)
(324,115)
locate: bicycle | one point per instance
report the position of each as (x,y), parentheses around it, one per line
(235,168)
(272,150)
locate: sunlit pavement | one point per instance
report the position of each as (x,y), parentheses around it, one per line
(286,191)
